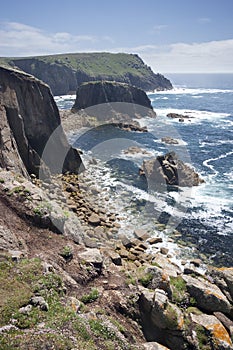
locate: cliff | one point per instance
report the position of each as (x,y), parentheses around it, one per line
(112,101)
(28,118)
(64,73)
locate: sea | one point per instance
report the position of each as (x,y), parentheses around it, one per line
(198,219)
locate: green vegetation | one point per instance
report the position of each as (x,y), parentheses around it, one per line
(96,64)
(67,253)
(43,209)
(178,287)
(203,338)
(146,279)
(60,327)
(101,330)
(91,297)
(21,190)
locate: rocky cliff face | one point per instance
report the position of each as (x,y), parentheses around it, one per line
(28,118)
(108,100)
(64,73)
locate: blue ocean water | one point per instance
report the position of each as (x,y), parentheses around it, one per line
(203,215)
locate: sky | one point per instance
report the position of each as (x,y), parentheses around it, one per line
(171,36)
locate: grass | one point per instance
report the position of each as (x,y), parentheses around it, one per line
(91,297)
(146,279)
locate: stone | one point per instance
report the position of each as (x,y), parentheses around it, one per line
(155,240)
(161,313)
(164,250)
(92,256)
(141,234)
(115,257)
(227,323)
(39,301)
(26,309)
(94,219)
(219,335)
(207,295)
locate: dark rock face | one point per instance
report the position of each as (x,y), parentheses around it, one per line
(65,73)
(28,118)
(111,100)
(170,170)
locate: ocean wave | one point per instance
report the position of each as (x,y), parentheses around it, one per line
(181,90)
(192,114)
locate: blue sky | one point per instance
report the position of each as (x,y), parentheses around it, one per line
(170,35)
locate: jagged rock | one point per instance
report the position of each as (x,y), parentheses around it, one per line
(29,121)
(64,73)
(223,277)
(207,295)
(160,311)
(219,335)
(113,102)
(160,279)
(169,170)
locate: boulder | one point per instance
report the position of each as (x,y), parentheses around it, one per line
(92,256)
(219,335)
(169,170)
(207,295)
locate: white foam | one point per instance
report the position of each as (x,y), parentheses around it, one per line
(181,90)
(193,115)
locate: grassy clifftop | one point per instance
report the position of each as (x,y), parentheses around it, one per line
(65,72)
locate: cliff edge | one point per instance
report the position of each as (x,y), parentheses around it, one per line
(28,118)
(65,72)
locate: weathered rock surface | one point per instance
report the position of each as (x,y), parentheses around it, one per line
(169,170)
(208,296)
(28,118)
(108,100)
(64,73)
(220,337)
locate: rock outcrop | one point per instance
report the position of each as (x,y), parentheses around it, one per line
(29,121)
(112,101)
(169,170)
(64,73)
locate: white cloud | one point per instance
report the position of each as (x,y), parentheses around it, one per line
(18,39)
(213,56)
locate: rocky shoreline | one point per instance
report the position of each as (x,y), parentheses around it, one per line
(184,306)
(70,277)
